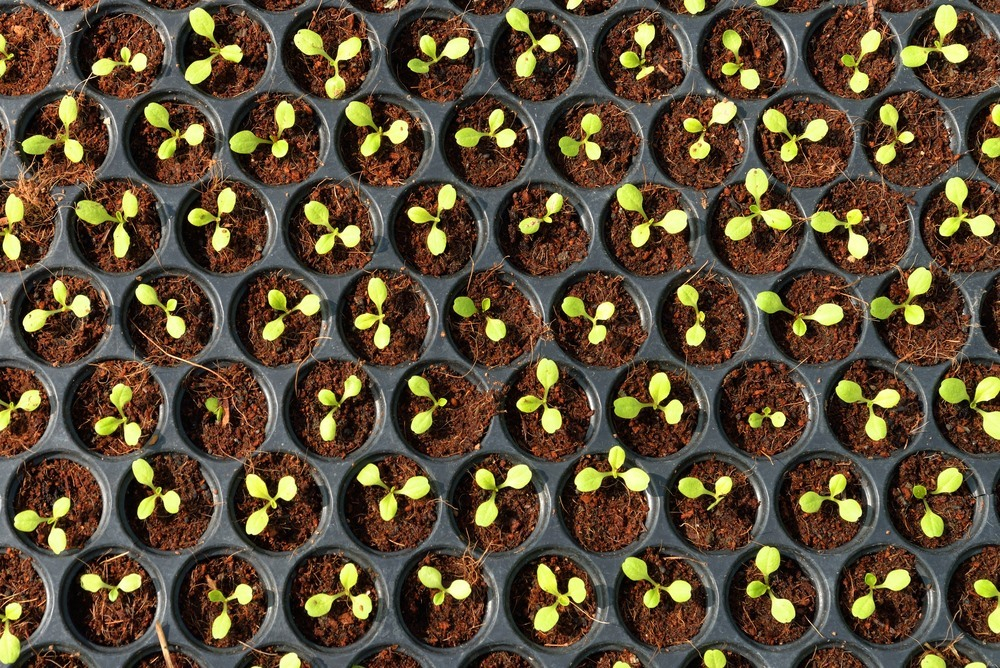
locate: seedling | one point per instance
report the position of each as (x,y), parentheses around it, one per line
(768,561)
(694,7)
(257,488)
(135,62)
(328,425)
(29,520)
(644,35)
(290,660)
(518,477)
(953,391)
(934,661)
(6,55)
(776,122)
(956,191)
(694,488)
(630,199)
(10,645)
(416,487)
(423,420)
(360,115)
(28,402)
(722,113)
(850,392)
(870,42)
(496,330)
(749,79)
(377,293)
(849,509)
(948,482)
(756,420)
(547,374)
(553,205)
(740,227)
(319,215)
(988,590)
(214,406)
(430,577)
(524,66)
(242,594)
(225,203)
(203,24)
(311,44)
(825,222)
(714,658)
(890,118)
(94,213)
(918,283)
(469,137)
(146,295)
(896,580)
(308,306)
(93,583)
(945,21)
(659,389)
(246,142)
(13,211)
(695,334)
(548,616)
(991,147)
(158,116)
(319,605)
(637,570)
(575,308)
(454,49)
(437,240)
(825,314)
(590,125)
(72,149)
(590,479)
(170,499)
(120,397)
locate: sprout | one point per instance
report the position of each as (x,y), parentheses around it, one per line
(575,308)
(319,215)
(311,44)
(29,520)
(825,222)
(6,55)
(659,389)
(590,479)
(644,35)
(849,509)
(361,604)
(637,570)
(377,293)
(988,590)
(749,79)
(73,149)
(576,591)
(740,227)
(120,396)
(10,645)
(945,21)
(146,295)
(214,406)
(454,49)
(246,142)
(918,283)
(416,487)
(158,116)
(870,42)
(890,118)
(756,420)
(105,66)
(437,240)
(714,658)
(257,488)
(308,306)
(630,199)
(360,115)
(768,561)
(991,147)
(850,392)
(547,374)
(776,122)
(242,594)
(934,661)
(203,24)
(423,420)
(953,391)
(694,488)
(518,477)
(290,660)
(430,577)
(496,330)
(328,425)
(28,402)
(226,203)
(956,191)
(524,66)
(94,213)
(591,125)
(895,580)
(469,137)
(722,113)
(93,583)
(825,314)
(948,482)
(695,334)
(553,205)
(13,211)
(170,499)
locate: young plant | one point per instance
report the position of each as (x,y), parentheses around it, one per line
(423,420)
(644,35)
(637,570)
(776,122)
(257,488)
(896,580)
(547,374)
(158,116)
(714,658)
(94,213)
(945,21)
(290,660)
(956,191)
(825,314)
(991,147)
(311,44)
(437,240)
(13,211)
(756,420)
(28,402)
(518,477)
(93,583)
(203,24)
(29,520)
(454,49)
(935,661)
(768,561)
(469,137)
(360,115)
(246,142)
(319,215)
(590,479)
(377,293)
(170,499)
(430,577)
(890,118)
(10,645)
(416,487)
(308,306)
(870,42)
(694,488)
(825,222)
(630,199)
(120,397)
(135,62)
(226,203)
(749,79)
(740,227)
(72,149)
(953,391)
(948,482)
(851,393)
(524,66)
(659,389)
(986,589)
(214,406)
(146,295)
(319,605)
(6,55)
(590,125)
(496,330)
(918,283)
(722,113)
(328,425)
(548,616)
(575,308)
(242,594)
(849,509)
(553,205)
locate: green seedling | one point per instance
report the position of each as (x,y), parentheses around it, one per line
(496,330)
(360,115)
(29,520)
(630,199)
(851,393)
(257,488)
(890,118)
(956,191)
(695,334)
(986,589)
(214,406)
(722,113)
(756,420)
(28,402)
(825,222)
(377,293)
(146,295)
(644,35)
(94,213)
(870,43)
(945,22)
(416,487)
(246,142)
(825,314)
(934,661)
(135,62)
(454,49)
(694,488)
(10,645)
(308,306)
(547,374)
(553,205)
(13,211)
(120,397)
(311,44)
(437,240)
(93,583)
(518,477)
(226,203)
(776,122)
(590,125)
(548,616)
(430,577)
(575,308)
(170,499)
(749,79)
(740,227)
(991,147)
(72,149)
(290,660)
(319,215)
(203,24)
(659,390)
(917,283)
(896,580)
(524,66)
(714,658)
(242,594)
(6,55)
(470,137)
(590,479)
(158,116)
(948,482)
(319,605)
(328,425)
(637,570)
(849,509)
(953,391)
(768,561)
(424,420)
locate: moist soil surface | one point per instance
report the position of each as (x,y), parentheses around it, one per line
(269,657)
(106,38)
(486,165)
(648,434)
(344,207)
(414,518)
(963,251)
(453,622)
(517,509)
(727,526)
(320,573)
(20,582)
(671,143)
(42,483)
(568,396)
(176,658)
(766,250)
(990,315)
(553,72)
(525,598)
(841,34)
(92,401)
(663,55)
(293,522)
(188,163)
(960,424)
(500,660)
(390,657)
(611,517)
(752,387)
(619,145)
(458,223)
(924,159)
(725,321)
(335,25)
(817,162)
(663,251)
(392,164)
(65,338)
(405,311)
(162,530)
(762,51)
(823,530)
(753,615)
(820,344)
(555,247)
(303,142)
(906,510)
(253,312)
(446,78)
(356,418)
(38,228)
(625,332)
(228,79)
(610,658)
(832,657)
(897,613)
(31,35)
(483,7)
(247,225)
(147,325)
(459,425)
(96,242)
(89,129)
(121,622)
(901,5)
(669,623)
(49,657)
(976,74)
(984,128)
(971,611)
(222,573)
(25,428)
(243,426)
